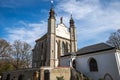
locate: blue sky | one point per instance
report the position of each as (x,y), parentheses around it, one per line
(26,20)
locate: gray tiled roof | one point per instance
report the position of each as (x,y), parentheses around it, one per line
(95,48)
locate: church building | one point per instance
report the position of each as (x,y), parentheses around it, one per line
(55,57)
(58,41)
(58,48)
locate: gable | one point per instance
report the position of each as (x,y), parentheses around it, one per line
(62,31)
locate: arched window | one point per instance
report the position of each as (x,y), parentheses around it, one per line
(58,49)
(63,48)
(74,64)
(93,65)
(42,45)
(66,47)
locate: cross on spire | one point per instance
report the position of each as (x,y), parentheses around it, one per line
(52,3)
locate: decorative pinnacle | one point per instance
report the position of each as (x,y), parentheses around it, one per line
(61,20)
(71,16)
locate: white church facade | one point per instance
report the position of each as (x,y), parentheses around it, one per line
(55,56)
(98,62)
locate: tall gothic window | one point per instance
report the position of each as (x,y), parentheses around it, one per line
(93,65)
(58,49)
(63,48)
(42,45)
(67,47)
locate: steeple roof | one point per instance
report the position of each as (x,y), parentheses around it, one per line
(71,21)
(52,12)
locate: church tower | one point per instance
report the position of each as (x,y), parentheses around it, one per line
(73,40)
(51,35)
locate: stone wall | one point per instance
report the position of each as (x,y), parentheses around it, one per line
(23,74)
(43,73)
(54,74)
(60,72)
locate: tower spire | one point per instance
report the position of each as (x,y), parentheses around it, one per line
(71,21)
(51,37)
(73,35)
(52,13)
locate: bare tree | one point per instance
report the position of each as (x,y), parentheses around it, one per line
(21,54)
(114,39)
(5,60)
(15,56)
(4,48)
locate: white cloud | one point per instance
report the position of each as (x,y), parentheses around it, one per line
(94,21)
(78,8)
(28,32)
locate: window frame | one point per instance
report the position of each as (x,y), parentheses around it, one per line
(93,66)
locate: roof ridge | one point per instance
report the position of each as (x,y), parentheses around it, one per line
(95,47)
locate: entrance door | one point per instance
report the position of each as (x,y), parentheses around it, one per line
(46,75)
